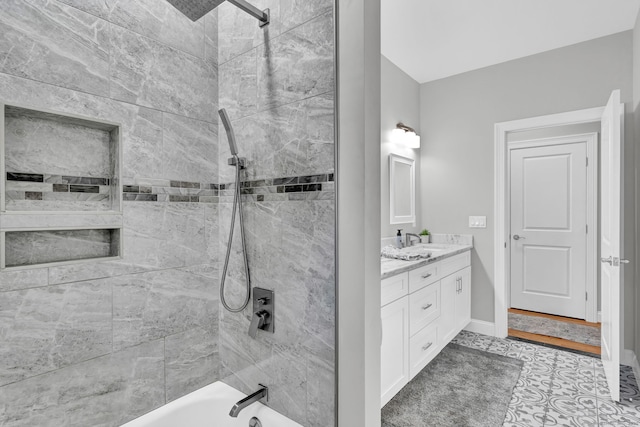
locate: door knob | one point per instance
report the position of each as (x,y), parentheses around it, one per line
(516,237)
(607,260)
(624,261)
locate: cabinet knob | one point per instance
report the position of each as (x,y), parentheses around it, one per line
(426,347)
(427,307)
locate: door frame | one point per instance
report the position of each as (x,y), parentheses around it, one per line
(590,140)
(501,202)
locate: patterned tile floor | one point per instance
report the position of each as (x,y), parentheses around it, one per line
(559,388)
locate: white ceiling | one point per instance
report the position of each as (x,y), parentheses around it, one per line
(432,39)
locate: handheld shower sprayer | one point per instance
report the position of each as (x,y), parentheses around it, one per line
(231,136)
(239,164)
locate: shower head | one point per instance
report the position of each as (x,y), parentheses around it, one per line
(230,135)
(196,9)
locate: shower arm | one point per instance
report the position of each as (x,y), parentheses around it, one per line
(262,16)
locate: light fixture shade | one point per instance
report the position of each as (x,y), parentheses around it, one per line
(413,140)
(406,136)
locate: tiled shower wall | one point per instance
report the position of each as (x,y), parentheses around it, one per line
(277,84)
(98,344)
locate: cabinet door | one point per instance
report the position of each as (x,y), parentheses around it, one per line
(394,350)
(463,298)
(448,323)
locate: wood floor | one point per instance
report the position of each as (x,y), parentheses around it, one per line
(558,342)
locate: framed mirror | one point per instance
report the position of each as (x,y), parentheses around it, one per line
(402,189)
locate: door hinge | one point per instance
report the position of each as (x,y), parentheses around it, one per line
(587,228)
(586,296)
(587,161)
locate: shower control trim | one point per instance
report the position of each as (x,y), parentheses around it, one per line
(263,312)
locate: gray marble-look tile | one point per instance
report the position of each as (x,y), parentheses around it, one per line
(192,361)
(291,140)
(212,232)
(211,38)
(51,42)
(151,18)
(153,305)
(164,234)
(243,359)
(189,151)
(237,81)
(321,385)
(141,127)
(38,145)
(287,371)
(103,392)
(23,279)
(296,12)
(40,247)
(43,329)
(150,74)
(142,148)
(296,65)
(240,32)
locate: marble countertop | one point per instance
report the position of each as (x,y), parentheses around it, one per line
(390,267)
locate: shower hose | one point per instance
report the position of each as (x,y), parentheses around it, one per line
(237,204)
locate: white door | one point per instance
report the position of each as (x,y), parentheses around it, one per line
(449,287)
(548,228)
(611,242)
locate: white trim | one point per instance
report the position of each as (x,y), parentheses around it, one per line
(600,319)
(629,358)
(482,327)
(500,196)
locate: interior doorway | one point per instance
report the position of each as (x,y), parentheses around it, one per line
(552,207)
(609,241)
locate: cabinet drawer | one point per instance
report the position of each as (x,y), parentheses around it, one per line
(424,307)
(423,347)
(455,263)
(423,276)
(393,288)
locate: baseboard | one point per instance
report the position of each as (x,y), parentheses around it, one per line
(628,357)
(481,327)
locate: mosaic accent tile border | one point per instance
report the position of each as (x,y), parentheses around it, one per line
(29,186)
(32,186)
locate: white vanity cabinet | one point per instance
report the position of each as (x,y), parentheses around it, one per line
(456,303)
(422,311)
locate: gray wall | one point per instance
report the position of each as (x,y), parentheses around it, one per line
(101,343)
(277,85)
(458,114)
(400,103)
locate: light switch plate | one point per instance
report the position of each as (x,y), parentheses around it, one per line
(477,222)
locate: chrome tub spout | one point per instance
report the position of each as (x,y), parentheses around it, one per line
(263,392)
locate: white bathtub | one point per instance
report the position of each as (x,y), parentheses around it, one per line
(209,407)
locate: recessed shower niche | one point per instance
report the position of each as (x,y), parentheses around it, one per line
(60,183)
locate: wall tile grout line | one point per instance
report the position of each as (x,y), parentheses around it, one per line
(108,98)
(130,30)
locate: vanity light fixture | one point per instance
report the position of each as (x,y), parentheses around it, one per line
(404,135)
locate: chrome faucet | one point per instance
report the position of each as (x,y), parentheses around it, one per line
(408,241)
(252,398)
